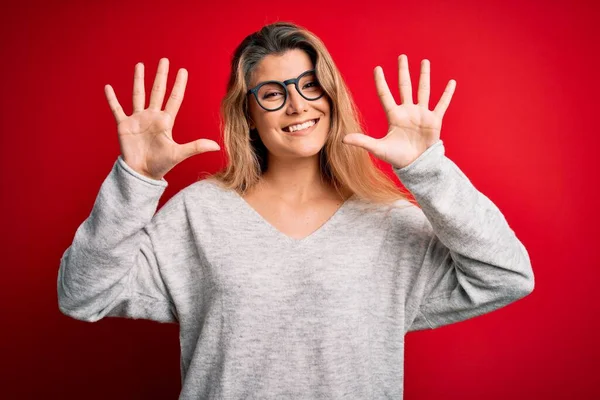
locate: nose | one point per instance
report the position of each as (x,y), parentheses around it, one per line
(295,102)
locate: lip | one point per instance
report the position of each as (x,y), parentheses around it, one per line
(304,132)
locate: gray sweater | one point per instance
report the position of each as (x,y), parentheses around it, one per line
(266,316)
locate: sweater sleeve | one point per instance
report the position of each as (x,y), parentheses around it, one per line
(111,269)
(473,262)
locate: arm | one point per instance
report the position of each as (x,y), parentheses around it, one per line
(474,263)
(111,268)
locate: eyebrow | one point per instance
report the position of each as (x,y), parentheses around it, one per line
(270,80)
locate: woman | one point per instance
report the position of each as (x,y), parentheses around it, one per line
(280,291)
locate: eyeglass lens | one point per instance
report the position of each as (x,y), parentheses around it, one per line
(272,95)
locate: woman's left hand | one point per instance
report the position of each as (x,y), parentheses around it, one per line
(412,127)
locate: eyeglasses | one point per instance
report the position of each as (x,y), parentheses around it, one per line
(272,95)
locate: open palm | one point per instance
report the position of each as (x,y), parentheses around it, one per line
(412,127)
(146,136)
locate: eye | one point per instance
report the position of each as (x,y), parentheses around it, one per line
(311,84)
(271,94)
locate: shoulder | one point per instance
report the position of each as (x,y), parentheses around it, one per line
(209,194)
(201,193)
(201,198)
(399,216)
(409,218)
(406,209)
(206,188)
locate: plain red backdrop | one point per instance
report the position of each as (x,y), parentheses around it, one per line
(522,125)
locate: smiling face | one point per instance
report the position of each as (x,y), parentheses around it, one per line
(274,126)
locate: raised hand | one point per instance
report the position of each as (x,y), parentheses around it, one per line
(146,136)
(412,127)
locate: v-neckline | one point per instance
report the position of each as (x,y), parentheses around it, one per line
(284,237)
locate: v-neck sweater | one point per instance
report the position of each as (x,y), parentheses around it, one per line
(265,316)
(259,222)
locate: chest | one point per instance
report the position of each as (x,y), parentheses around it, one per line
(250,267)
(296,222)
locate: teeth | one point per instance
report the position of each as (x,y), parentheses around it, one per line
(307,124)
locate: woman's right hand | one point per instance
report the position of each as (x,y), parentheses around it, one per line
(146,136)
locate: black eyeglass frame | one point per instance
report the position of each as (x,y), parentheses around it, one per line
(285,83)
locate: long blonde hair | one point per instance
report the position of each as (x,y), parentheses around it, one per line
(345,167)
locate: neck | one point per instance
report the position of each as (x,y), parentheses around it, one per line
(295,180)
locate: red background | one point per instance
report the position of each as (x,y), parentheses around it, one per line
(522,125)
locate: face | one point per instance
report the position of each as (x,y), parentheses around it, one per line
(273,126)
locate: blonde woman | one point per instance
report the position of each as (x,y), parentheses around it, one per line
(296,271)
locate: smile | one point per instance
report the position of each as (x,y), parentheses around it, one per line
(301,129)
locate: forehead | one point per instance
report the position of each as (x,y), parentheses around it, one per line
(281,67)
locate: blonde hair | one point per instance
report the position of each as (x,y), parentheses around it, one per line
(345,167)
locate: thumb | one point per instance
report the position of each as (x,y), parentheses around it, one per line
(360,140)
(197,147)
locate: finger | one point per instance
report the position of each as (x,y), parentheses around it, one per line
(383,91)
(176,96)
(404,80)
(424,84)
(139,93)
(114,105)
(361,140)
(160,85)
(197,147)
(444,102)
